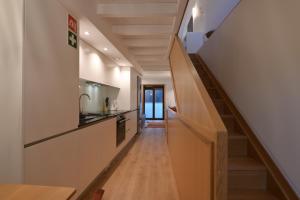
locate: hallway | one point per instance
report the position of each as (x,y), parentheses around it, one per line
(145,173)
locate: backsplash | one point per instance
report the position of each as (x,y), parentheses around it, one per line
(98,93)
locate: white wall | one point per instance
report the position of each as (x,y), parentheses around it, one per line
(167,81)
(11,139)
(207,15)
(256,56)
(97,93)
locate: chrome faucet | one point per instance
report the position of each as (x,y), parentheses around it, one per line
(84,94)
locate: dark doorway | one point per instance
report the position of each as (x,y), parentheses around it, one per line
(190,27)
(154,104)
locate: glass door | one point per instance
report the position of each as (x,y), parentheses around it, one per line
(159,103)
(154,102)
(149,105)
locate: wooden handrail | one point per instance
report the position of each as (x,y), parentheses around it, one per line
(196,115)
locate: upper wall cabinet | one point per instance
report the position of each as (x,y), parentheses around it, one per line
(50,73)
(95,66)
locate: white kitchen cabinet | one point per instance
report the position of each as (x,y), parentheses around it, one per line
(74,159)
(131,125)
(53,163)
(50,72)
(96,150)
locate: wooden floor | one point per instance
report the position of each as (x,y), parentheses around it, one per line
(155,123)
(145,173)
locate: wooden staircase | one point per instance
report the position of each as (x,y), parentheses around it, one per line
(248,178)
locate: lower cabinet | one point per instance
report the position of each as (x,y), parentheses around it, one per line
(131,125)
(96,150)
(53,163)
(75,159)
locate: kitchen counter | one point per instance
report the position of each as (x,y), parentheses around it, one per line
(92,118)
(89,120)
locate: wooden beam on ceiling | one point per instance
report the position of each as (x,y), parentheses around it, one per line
(142,29)
(148,51)
(147,42)
(136,9)
(152,36)
(151,20)
(150,58)
(153,63)
(136,1)
(155,67)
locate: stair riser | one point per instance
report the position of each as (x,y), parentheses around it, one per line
(222,108)
(214,94)
(207,82)
(231,125)
(247,180)
(201,73)
(237,147)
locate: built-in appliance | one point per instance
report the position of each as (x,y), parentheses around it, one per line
(121,129)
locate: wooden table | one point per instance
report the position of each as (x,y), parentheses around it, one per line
(31,192)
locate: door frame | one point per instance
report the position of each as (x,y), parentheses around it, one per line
(153,87)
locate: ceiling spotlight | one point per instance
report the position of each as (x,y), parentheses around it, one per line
(86,33)
(105,49)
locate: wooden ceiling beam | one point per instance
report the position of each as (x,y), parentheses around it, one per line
(142,29)
(136,9)
(147,42)
(148,51)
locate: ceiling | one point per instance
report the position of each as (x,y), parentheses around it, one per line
(145,27)
(90,34)
(140,32)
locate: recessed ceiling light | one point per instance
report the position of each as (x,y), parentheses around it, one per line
(105,49)
(86,33)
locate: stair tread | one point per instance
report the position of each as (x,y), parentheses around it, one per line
(245,164)
(251,195)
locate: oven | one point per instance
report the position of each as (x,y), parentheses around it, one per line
(121,129)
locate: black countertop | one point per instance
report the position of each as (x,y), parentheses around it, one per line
(92,118)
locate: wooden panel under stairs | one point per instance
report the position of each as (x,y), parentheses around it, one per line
(247,176)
